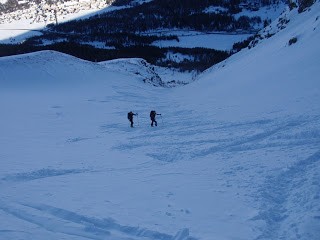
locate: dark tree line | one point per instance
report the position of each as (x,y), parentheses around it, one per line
(202,58)
(162,14)
(116,40)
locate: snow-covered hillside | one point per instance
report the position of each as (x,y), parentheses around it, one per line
(235,155)
(284,66)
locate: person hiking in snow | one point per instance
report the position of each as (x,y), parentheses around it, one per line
(153,117)
(130,117)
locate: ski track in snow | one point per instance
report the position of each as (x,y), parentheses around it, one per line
(285,189)
(59,220)
(185,139)
(39,174)
(278,192)
(222,137)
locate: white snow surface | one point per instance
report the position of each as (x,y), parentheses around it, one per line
(191,39)
(235,155)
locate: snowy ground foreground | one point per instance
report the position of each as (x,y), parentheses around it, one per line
(235,156)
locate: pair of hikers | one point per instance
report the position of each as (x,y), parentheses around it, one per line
(153,115)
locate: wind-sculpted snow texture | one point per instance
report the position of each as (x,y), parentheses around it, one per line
(235,154)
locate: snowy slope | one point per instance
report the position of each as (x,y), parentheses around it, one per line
(272,74)
(235,154)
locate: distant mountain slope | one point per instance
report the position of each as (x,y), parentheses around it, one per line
(153,30)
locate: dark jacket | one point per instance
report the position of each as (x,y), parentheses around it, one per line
(130,115)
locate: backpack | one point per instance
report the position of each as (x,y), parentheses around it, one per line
(129,115)
(153,113)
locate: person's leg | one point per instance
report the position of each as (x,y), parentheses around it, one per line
(131,123)
(155,122)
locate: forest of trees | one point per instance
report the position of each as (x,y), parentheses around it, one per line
(164,14)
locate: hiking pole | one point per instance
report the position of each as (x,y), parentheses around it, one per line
(138,120)
(161,119)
